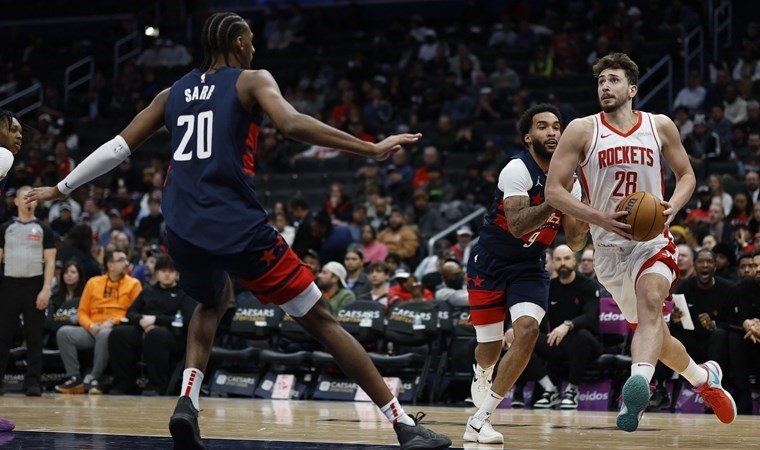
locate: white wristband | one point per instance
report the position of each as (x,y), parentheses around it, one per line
(100,162)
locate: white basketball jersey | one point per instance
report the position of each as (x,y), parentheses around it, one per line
(618,164)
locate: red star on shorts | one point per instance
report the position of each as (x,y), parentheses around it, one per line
(477,281)
(280,241)
(467,279)
(268,256)
(536,199)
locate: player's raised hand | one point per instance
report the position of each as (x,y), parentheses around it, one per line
(43,193)
(611,222)
(394,143)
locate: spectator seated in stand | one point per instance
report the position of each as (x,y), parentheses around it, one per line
(104,303)
(154,330)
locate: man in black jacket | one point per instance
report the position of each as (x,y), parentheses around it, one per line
(744,346)
(154,330)
(570,330)
(710,310)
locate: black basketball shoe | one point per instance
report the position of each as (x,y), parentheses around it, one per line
(418,437)
(184,426)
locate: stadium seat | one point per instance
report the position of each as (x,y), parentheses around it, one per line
(410,336)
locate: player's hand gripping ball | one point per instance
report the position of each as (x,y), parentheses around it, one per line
(644,215)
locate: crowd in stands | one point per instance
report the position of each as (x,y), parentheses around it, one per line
(365,233)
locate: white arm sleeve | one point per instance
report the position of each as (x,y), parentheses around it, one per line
(6,161)
(514,179)
(100,162)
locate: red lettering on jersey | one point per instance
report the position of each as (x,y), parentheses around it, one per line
(602,159)
(625,155)
(554,219)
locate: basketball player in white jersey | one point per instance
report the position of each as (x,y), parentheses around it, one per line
(619,151)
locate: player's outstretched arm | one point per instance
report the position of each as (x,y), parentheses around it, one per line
(678,160)
(561,170)
(304,128)
(109,155)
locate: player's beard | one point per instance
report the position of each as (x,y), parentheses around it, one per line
(609,108)
(541,151)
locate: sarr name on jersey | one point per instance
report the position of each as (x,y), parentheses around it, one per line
(199,94)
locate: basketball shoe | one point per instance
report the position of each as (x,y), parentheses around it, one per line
(635,401)
(73,385)
(418,437)
(481,384)
(548,400)
(184,426)
(716,398)
(481,430)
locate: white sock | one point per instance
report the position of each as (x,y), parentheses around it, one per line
(489,404)
(488,370)
(571,387)
(696,375)
(395,413)
(191,385)
(643,368)
(547,384)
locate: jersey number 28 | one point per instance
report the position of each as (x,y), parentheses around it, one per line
(205,121)
(626,183)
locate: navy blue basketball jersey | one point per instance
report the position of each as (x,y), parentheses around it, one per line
(209,194)
(495,236)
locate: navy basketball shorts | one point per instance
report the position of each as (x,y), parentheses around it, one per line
(269,269)
(495,285)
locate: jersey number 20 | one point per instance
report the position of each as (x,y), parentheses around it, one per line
(205,121)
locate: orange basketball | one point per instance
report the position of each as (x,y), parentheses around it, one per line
(644,215)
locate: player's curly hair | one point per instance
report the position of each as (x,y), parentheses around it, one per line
(217,35)
(526,121)
(618,61)
(7,117)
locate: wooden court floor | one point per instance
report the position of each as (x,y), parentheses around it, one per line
(97,422)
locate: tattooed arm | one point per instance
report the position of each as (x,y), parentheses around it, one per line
(576,232)
(523,218)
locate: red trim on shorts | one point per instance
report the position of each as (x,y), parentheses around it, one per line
(284,281)
(487,307)
(666,257)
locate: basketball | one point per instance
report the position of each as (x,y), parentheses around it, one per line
(644,215)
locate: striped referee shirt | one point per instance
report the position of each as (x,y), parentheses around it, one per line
(23,245)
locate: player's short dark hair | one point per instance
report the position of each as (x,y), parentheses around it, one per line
(618,61)
(526,121)
(217,35)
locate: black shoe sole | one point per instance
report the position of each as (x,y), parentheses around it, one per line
(431,444)
(183,430)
